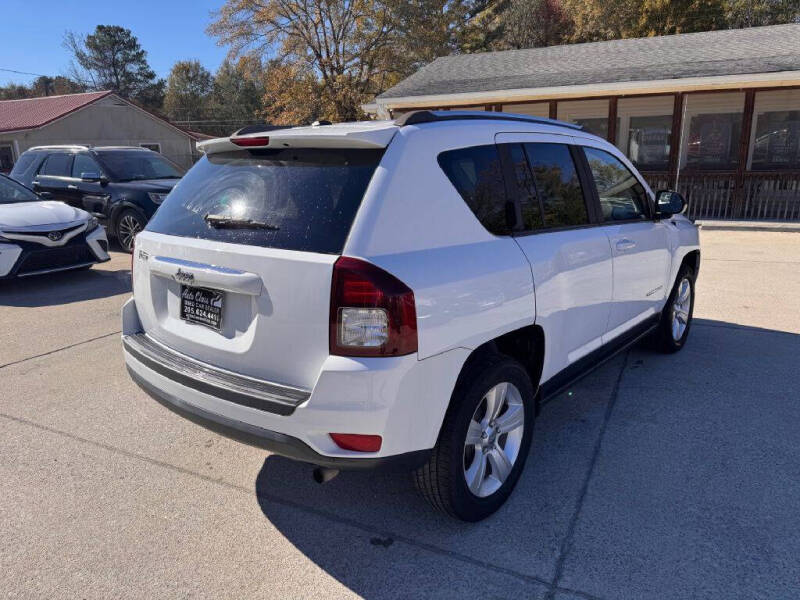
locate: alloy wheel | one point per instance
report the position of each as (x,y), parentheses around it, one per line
(493,441)
(680,309)
(128,227)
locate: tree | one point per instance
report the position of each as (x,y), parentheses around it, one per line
(535,23)
(55,86)
(111,58)
(349,50)
(41,86)
(750,13)
(188,88)
(236,97)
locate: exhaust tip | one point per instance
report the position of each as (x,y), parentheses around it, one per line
(324,474)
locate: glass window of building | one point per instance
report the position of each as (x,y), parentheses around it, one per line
(649,142)
(776,143)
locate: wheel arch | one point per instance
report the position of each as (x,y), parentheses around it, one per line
(691,260)
(526,345)
(119,208)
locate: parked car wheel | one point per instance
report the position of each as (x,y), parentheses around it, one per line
(676,318)
(129,223)
(483,443)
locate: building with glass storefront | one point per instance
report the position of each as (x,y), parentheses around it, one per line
(713,114)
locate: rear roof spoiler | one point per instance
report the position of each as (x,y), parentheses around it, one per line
(356,135)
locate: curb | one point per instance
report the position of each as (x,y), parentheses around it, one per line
(777,227)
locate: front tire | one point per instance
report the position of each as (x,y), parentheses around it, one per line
(129,223)
(676,318)
(484,441)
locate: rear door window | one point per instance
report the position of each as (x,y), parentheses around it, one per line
(299,199)
(57,164)
(477,174)
(557,188)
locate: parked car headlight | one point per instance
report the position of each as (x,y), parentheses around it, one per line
(92,224)
(157,197)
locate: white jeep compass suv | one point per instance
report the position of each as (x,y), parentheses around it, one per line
(403,293)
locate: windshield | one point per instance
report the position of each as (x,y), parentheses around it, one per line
(136,165)
(11,191)
(295,199)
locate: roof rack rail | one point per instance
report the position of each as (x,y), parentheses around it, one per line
(61,146)
(418,117)
(261,128)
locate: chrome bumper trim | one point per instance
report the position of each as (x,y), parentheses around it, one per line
(226,385)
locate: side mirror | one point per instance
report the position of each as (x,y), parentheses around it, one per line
(669,203)
(90,177)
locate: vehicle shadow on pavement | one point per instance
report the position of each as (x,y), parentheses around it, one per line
(64,287)
(648,449)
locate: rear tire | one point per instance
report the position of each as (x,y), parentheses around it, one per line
(484,441)
(676,318)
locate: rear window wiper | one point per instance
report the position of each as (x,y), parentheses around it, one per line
(221,221)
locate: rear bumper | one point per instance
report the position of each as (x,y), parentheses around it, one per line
(279,443)
(402,399)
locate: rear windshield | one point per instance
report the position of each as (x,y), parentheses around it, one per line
(301,199)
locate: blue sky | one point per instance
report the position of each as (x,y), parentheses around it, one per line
(31,32)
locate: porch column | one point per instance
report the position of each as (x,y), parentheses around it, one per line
(612,120)
(676,139)
(744,147)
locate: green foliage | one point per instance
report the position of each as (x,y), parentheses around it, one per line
(503,24)
(188,87)
(236,97)
(112,59)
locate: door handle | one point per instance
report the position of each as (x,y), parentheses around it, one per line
(72,187)
(625,244)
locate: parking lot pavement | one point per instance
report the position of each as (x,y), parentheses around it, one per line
(655,477)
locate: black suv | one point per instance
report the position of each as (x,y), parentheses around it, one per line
(121,186)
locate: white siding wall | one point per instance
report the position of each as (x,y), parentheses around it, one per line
(582,109)
(534,109)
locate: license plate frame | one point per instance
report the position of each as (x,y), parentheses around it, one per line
(202,306)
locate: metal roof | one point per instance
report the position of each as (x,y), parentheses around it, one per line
(728,52)
(31,113)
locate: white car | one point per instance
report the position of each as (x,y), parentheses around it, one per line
(42,236)
(403,293)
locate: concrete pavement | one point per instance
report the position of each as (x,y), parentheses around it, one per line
(655,477)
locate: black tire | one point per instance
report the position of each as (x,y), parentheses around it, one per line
(442,480)
(665,340)
(126,220)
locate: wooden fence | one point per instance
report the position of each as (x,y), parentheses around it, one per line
(759,196)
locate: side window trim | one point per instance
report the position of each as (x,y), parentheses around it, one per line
(589,187)
(510,181)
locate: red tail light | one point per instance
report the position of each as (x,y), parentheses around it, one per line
(250,141)
(358,442)
(372,312)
